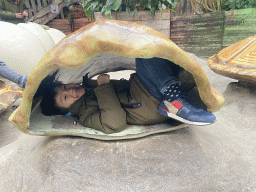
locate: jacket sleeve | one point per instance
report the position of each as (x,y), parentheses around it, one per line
(6,14)
(11,75)
(109,117)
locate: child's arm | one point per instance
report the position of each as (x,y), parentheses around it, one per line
(5,14)
(110,117)
(11,75)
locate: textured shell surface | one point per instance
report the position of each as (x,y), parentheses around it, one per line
(237,61)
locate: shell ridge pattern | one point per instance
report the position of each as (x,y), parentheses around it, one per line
(237,53)
(219,61)
(237,61)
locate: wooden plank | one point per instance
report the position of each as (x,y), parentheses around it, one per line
(199,34)
(202,52)
(162,26)
(51,16)
(64,25)
(60,24)
(62,14)
(183,8)
(144,16)
(45,15)
(166,32)
(239,24)
(98,16)
(156,24)
(141,16)
(39,5)
(43,11)
(45,3)
(161,23)
(29,8)
(78,23)
(33,6)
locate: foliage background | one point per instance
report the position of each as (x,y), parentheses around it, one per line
(221,5)
(133,6)
(130,6)
(238,4)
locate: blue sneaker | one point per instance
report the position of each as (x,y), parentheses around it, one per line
(185,111)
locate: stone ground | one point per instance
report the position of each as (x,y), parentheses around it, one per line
(218,157)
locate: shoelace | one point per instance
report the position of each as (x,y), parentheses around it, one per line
(172,92)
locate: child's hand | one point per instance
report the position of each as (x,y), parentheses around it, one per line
(103,79)
(25,13)
(18,15)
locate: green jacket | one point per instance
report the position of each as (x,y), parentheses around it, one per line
(110,107)
(8,10)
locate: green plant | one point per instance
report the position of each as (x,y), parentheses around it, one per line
(219,5)
(69,6)
(238,4)
(130,6)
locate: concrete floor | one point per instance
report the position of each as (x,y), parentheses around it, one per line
(218,157)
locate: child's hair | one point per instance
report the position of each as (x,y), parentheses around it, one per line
(48,103)
(47,90)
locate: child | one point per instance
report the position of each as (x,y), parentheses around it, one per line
(151,96)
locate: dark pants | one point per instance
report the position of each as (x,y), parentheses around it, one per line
(156,74)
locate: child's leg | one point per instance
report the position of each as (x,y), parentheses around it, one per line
(157,75)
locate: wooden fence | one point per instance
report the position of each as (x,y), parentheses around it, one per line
(40,10)
(206,34)
(203,35)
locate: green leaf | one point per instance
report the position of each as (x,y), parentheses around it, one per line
(117,5)
(153,12)
(108,12)
(87,12)
(114,4)
(128,10)
(160,6)
(104,9)
(69,16)
(169,1)
(67,3)
(110,2)
(94,5)
(134,13)
(85,3)
(148,5)
(218,5)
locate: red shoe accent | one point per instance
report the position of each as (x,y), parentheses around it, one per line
(177,104)
(163,109)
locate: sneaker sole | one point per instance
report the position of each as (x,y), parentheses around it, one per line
(173,116)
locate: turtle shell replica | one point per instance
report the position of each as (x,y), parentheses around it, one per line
(8,95)
(237,61)
(76,55)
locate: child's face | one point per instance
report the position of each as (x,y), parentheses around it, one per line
(68,94)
